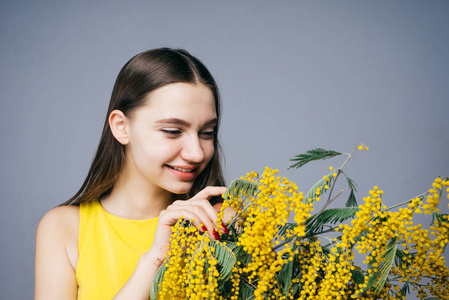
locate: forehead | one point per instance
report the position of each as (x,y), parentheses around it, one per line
(180,100)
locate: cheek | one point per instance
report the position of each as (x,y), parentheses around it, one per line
(209,151)
(150,152)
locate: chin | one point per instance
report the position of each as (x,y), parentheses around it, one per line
(181,189)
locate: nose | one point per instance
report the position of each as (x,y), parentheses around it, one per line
(192,150)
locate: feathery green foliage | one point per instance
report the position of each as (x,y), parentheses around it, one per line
(351,184)
(285,277)
(405,289)
(351,202)
(329,216)
(311,155)
(158,277)
(225,256)
(247,290)
(386,264)
(357,276)
(241,186)
(312,193)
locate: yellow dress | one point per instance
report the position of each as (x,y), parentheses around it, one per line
(109,250)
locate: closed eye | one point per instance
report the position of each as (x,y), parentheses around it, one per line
(171,132)
(208,134)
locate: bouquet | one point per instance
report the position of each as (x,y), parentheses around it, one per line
(278,248)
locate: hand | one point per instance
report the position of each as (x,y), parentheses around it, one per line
(197,209)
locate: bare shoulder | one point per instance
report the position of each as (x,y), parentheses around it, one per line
(62,219)
(57,254)
(59,229)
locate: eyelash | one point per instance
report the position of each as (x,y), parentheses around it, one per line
(171,132)
(174,133)
(208,134)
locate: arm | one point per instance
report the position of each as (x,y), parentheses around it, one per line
(138,285)
(56,242)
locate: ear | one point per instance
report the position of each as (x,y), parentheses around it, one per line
(118,123)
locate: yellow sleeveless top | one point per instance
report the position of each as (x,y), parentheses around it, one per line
(109,250)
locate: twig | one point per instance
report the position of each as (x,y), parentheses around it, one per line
(324,207)
(408,201)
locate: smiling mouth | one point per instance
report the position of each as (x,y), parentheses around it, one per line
(181,169)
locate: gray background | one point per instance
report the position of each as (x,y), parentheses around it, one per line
(294,75)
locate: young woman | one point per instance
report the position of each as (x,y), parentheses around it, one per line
(158,159)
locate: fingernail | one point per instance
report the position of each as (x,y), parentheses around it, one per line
(224,228)
(216,235)
(203,228)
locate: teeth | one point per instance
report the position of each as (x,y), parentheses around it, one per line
(182,170)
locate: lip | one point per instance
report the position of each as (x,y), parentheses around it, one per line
(186,173)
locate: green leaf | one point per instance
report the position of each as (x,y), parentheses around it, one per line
(286,228)
(241,186)
(385,265)
(311,155)
(298,286)
(398,260)
(311,194)
(351,184)
(359,237)
(246,290)
(285,277)
(225,256)
(351,202)
(357,276)
(158,277)
(440,218)
(405,289)
(329,216)
(372,279)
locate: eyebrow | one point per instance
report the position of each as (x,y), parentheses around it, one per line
(183,122)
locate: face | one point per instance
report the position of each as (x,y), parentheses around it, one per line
(171,137)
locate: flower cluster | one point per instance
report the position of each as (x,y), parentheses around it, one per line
(260,217)
(266,256)
(191,263)
(380,233)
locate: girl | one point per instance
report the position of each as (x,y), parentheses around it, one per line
(158,160)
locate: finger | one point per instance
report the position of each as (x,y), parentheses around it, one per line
(217,206)
(200,210)
(209,192)
(167,219)
(203,205)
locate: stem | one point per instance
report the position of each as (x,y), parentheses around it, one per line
(332,229)
(332,188)
(407,202)
(327,245)
(330,240)
(236,217)
(314,218)
(324,207)
(349,157)
(283,243)
(339,171)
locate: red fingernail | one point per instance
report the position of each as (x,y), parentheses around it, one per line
(203,228)
(216,235)
(225,229)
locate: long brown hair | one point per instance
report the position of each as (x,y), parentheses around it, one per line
(142,74)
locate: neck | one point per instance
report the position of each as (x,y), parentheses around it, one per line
(136,200)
